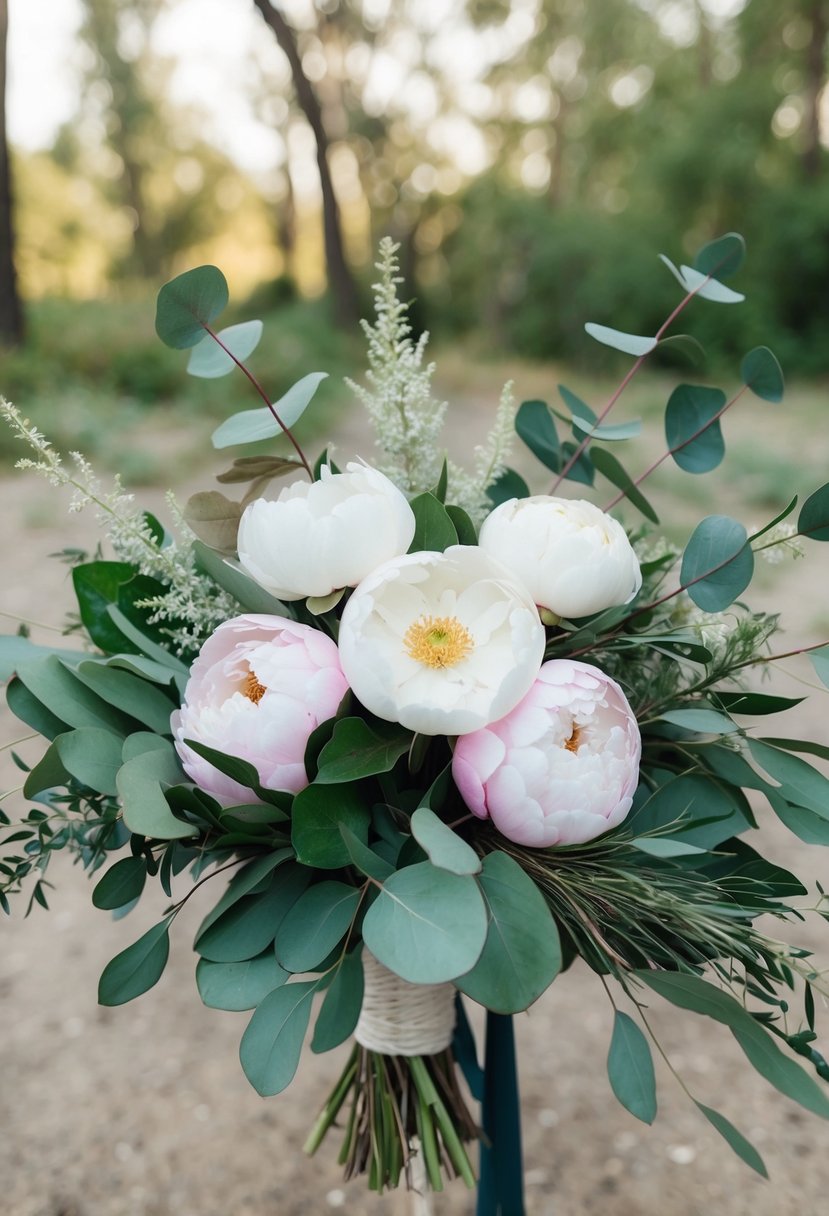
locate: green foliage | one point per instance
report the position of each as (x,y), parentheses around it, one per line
(692,427)
(136,969)
(272,1043)
(188,304)
(630,1068)
(239,986)
(629,344)
(762,374)
(210,359)
(252,426)
(434,530)
(717,564)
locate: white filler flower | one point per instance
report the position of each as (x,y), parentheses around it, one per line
(320,536)
(443,643)
(574,558)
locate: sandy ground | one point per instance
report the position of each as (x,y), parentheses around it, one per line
(143,1110)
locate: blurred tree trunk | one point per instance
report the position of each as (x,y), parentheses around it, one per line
(340,278)
(815,79)
(11,313)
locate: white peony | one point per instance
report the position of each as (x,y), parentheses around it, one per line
(443,643)
(320,536)
(574,558)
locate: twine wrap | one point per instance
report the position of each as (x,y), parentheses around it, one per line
(403,1019)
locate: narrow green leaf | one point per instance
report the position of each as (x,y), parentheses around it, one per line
(534,424)
(316,923)
(208,360)
(59,689)
(463,525)
(187,304)
(136,969)
(250,925)
(271,1045)
(15,649)
(607,464)
(444,847)
(365,859)
(665,846)
(630,1068)
(799,781)
(231,578)
(761,372)
(704,721)
(242,883)
(340,1009)
(742,1147)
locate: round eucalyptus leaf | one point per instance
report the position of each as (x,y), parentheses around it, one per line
(187,304)
(762,373)
(717,564)
(209,360)
(721,257)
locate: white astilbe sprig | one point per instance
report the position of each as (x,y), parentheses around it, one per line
(469,490)
(407,419)
(192,604)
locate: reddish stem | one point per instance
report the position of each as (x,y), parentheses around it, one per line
(286,430)
(652,468)
(681,306)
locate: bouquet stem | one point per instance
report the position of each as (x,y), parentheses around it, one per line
(406,1113)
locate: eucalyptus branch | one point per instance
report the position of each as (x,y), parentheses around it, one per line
(260,390)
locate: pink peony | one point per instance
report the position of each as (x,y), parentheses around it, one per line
(258,689)
(562,767)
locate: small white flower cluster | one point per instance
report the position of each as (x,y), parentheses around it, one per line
(192,600)
(468,490)
(714,629)
(780,542)
(407,418)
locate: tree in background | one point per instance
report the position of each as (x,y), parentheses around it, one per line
(11,314)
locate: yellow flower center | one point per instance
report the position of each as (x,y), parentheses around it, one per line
(572,744)
(438,641)
(252,689)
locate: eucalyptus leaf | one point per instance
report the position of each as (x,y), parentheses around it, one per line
(705,721)
(522,953)
(427,925)
(122,883)
(239,986)
(692,428)
(701,285)
(630,1068)
(189,303)
(799,781)
(443,846)
(59,689)
(721,257)
(209,361)
(272,1044)
(464,526)
(15,649)
(534,424)
(742,1147)
(136,969)
(232,579)
(365,859)
(629,344)
(141,782)
(813,520)
(254,468)
(717,564)
(92,756)
(131,694)
(761,372)
(607,464)
(251,923)
(251,426)
(340,1009)
(315,924)
(242,883)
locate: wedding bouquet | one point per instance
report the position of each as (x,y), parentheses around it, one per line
(441,734)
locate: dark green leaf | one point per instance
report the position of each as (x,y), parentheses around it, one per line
(187,304)
(238,986)
(250,925)
(141,783)
(534,424)
(144,642)
(762,373)
(316,923)
(522,954)
(92,756)
(813,520)
(427,925)
(717,564)
(799,781)
(365,859)
(132,695)
(121,884)
(582,470)
(231,578)
(804,824)
(96,586)
(341,1007)
(744,1150)
(509,485)
(630,1068)
(25,706)
(607,464)
(357,749)
(443,846)
(48,773)
(721,257)
(136,969)
(271,1045)
(463,525)
(318,812)
(755,703)
(434,530)
(698,810)
(242,883)
(692,430)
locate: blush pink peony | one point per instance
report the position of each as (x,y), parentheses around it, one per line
(257,690)
(562,767)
